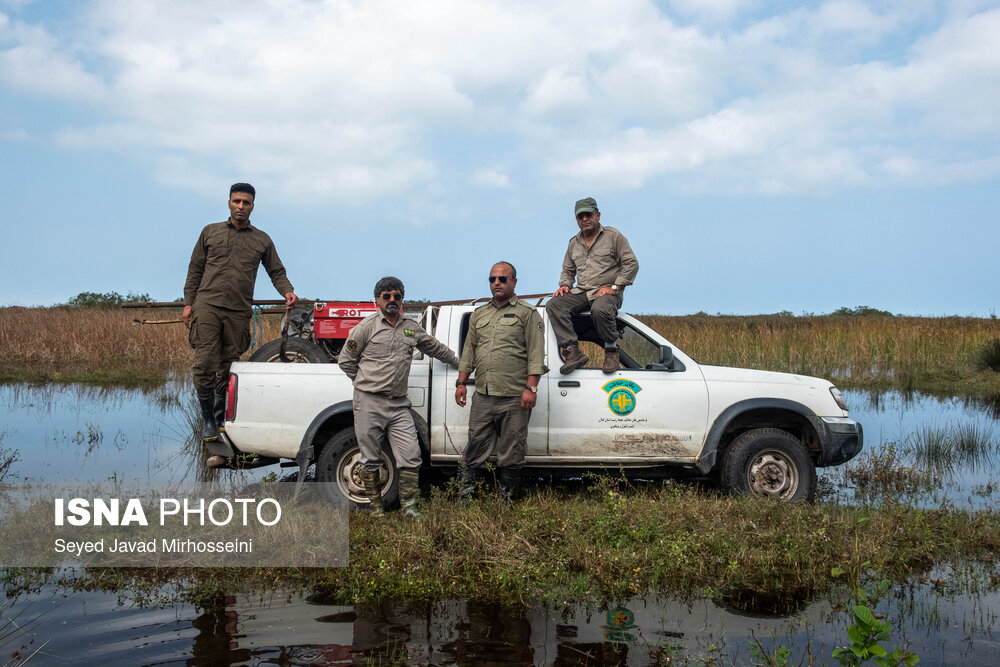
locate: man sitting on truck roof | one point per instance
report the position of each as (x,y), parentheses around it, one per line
(377,358)
(603,264)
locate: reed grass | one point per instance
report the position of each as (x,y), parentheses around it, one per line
(924,353)
(931,354)
(97,345)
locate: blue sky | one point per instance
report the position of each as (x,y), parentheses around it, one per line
(760,156)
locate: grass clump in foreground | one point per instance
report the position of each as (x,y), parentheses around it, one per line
(605,544)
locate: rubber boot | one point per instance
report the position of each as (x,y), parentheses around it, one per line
(220,409)
(574,359)
(409,492)
(470,480)
(373,490)
(209,429)
(510,482)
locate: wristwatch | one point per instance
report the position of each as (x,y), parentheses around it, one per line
(460,384)
(614,288)
(534,390)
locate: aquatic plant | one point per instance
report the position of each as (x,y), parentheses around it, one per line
(865,634)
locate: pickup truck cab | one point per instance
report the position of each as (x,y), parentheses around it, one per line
(661,414)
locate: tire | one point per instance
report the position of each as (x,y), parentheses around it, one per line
(769,463)
(298,351)
(339,463)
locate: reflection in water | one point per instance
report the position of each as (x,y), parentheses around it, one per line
(83,433)
(90,433)
(81,630)
(919,449)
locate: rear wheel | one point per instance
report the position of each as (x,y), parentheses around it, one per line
(297,351)
(769,463)
(339,464)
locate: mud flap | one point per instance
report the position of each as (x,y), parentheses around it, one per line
(221,446)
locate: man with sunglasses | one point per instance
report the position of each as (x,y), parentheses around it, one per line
(505,347)
(377,358)
(603,264)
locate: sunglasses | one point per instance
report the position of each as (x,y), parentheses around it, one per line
(502,279)
(393,296)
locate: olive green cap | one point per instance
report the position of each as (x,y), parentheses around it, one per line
(588,205)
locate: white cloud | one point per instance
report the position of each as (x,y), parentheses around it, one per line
(490,178)
(358,100)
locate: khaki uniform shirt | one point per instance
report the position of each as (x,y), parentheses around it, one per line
(608,261)
(504,346)
(224,265)
(377,355)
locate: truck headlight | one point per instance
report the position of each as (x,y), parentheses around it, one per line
(839,398)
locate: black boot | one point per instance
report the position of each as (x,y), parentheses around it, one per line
(470,480)
(220,409)
(209,429)
(510,481)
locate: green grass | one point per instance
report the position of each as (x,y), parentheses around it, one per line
(602,544)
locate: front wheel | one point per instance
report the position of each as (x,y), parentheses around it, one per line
(769,463)
(339,465)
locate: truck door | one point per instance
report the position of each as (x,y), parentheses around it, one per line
(634,415)
(450,435)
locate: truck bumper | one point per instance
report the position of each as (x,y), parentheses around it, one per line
(841,439)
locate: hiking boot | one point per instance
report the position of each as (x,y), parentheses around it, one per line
(373,490)
(574,359)
(209,429)
(611,360)
(409,492)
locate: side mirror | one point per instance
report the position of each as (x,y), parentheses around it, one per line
(666,355)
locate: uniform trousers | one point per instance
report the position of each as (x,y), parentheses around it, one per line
(218,336)
(497,425)
(603,311)
(380,418)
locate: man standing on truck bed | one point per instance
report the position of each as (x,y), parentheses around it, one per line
(505,346)
(218,297)
(377,358)
(603,264)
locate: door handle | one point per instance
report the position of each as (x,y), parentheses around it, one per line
(569,383)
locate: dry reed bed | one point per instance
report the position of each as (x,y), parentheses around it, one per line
(47,340)
(72,340)
(856,347)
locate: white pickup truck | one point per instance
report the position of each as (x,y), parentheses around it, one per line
(662,414)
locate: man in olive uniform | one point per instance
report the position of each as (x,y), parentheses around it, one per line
(603,264)
(377,358)
(218,297)
(505,347)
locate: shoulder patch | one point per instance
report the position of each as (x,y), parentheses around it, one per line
(541,327)
(352,345)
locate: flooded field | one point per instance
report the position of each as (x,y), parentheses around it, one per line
(919,450)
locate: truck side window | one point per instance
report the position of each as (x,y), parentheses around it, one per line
(463,331)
